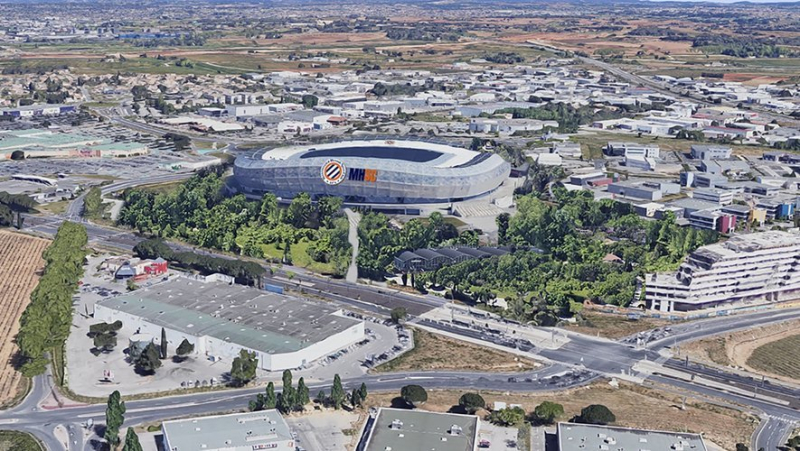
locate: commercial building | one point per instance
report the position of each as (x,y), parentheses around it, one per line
(265,429)
(374,171)
(629,149)
(407,430)
(760,267)
(35,143)
(221,318)
(713,219)
(585,437)
(715,195)
(651,191)
(38,110)
(703,152)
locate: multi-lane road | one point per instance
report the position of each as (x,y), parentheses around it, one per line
(599,356)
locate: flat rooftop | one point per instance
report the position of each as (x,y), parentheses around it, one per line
(422,430)
(238,430)
(256,319)
(586,437)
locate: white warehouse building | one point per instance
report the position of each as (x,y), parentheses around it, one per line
(220,319)
(746,269)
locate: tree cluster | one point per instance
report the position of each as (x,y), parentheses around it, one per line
(569,117)
(244,272)
(45,323)
(197,212)
(570,234)
(379,242)
(104,336)
(12,205)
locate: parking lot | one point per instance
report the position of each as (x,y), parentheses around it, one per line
(496,438)
(323,431)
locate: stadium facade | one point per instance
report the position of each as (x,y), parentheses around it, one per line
(376,171)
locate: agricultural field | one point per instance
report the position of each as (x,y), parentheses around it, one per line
(773,351)
(781,357)
(19,273)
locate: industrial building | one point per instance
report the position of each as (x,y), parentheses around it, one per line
(746,269)
(372,171)
(630,149)
(400,430)
(250,431)
(584,437)
(704,152)
(221,318)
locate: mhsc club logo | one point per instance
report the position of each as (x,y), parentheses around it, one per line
(333,172)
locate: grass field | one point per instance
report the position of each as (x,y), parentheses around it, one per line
(437,352)
(634,406)
(781,357)
(21,258)
(18,441)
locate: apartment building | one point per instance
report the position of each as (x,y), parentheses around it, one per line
(746,269)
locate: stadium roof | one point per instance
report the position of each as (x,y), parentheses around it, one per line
(584,437)
(439,155)
(227,431)
(259,320)
(400,430)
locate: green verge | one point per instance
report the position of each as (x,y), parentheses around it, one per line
(19,441)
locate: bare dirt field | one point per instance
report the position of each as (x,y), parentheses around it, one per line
(614,326)
(633,405)
(772,351)
(20,266)
(436,352)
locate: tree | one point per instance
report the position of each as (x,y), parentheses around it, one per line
(271,399)
(163,344)
(596,414)
(471,402)
(148,361)
(355,398)
(321,397)
(105,342)
(302,396)
(742,447)
(115,416)
(184,349)
(131,441)
(288,398)
(299,210)
(327,207)
(243,368)
(510,416)
(502,227)
(362,392)
(547,412)
(398,314)
(309,101)
(337,392)
(414,395)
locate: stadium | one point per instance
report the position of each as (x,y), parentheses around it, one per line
(373,172)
